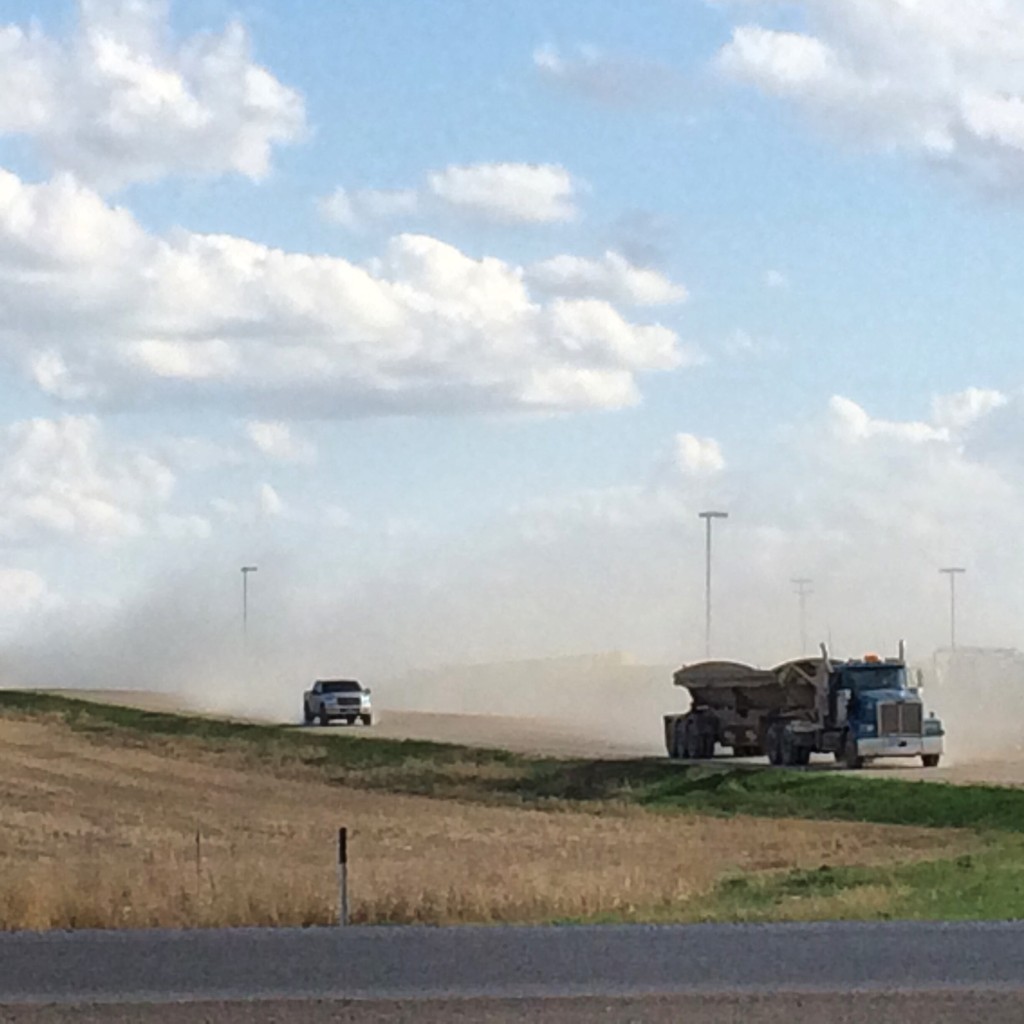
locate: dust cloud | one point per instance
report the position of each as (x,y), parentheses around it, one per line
(430,650)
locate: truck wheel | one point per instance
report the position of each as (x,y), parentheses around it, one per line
(850,757)
(325,719)
(693,745)
(366,719)
(790,752)
(307,715)
(674,740)
(773,745)
(930,760)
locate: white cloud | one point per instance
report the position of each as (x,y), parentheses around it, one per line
(354,208)
(612,277)
(189,527)
(941,79)
(697,456)
(63,477)
(23,592)
(504,193)
(278,441)
(92,306)
(851,423)
(609,79)
(507,192)
(964,408)
(271,503)
(122,101)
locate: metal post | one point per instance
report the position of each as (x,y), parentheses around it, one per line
(803,585)
(952,571)
(707,517)
(342,876)
(246,569)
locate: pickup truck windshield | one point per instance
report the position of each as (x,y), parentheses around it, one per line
(883,677)
(341,686)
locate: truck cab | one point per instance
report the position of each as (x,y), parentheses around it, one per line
(882,715)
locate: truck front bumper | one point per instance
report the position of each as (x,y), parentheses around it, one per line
(898,746)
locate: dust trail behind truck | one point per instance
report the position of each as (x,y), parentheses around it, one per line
(857,710)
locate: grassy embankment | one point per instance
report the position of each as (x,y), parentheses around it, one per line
(115,796)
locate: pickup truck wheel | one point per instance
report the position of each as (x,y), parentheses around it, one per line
(930,760)
(350,719)
(366,719)
(325,719)
(307,715)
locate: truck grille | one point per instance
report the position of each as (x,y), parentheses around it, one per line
(899,719)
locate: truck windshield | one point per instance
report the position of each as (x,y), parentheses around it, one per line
(881,677)
(341,686)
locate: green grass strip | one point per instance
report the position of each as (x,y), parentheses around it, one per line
(445,770)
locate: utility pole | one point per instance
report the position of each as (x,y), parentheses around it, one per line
(707,517)
(246,569)
(803,588)
(952,571)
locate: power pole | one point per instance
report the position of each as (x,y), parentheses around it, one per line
(707,517)
(246,569)
(952,572)
(803,588)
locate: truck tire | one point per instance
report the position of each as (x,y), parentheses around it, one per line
(773,744)
(850,757)
(792,754)
(366,719)
(307,716)
(695,743)
(325,719)
(930,760)
(674,740)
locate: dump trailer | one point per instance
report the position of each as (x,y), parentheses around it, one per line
(857,710)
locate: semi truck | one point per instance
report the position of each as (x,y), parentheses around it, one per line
(857,710)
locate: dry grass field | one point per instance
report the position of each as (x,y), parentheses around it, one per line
(101,832)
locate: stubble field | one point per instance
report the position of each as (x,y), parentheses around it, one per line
(99,829)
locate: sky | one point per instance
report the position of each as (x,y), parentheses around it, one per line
(451,317)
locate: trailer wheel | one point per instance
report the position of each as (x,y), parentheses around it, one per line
(930,760)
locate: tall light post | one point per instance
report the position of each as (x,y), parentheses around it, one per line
(952,571)
(707,517)
(246,569)
(803,588)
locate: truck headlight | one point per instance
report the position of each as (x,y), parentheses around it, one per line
(867,729)
(933,727)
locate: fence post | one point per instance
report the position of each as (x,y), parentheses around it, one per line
(342,876)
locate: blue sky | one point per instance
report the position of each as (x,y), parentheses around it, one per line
(452,316)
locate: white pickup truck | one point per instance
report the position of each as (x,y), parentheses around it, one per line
(331,699)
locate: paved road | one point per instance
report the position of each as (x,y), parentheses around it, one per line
(500,963)
(956,1007)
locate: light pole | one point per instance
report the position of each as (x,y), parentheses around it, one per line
(246,569)
(803,588)
(707,517)
(952,571)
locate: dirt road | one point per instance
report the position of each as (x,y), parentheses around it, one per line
(563,739)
